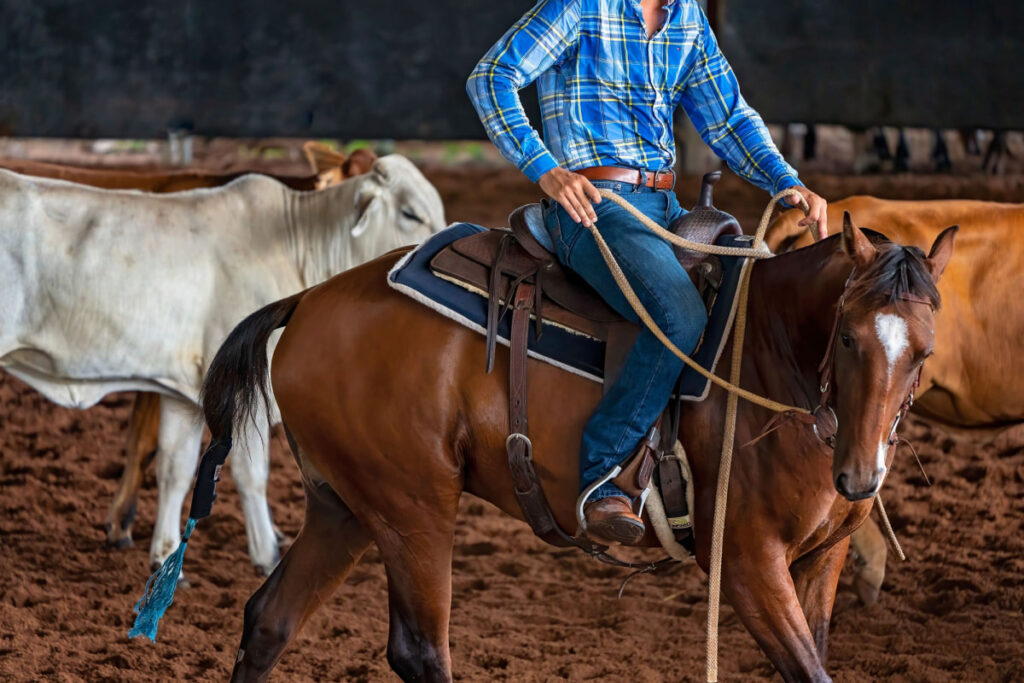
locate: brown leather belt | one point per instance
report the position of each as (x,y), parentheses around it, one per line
(659,180)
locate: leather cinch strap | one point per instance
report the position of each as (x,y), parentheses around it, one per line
(525,482)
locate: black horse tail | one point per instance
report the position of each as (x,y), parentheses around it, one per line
(236,383)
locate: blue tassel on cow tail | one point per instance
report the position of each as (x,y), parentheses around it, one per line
(160,590)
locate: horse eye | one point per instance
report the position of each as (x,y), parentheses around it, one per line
(411,216)
(847,340)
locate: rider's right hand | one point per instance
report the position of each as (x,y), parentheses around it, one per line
(575,193)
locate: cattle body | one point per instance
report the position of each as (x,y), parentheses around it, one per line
(329,167)
(126,291)
(975,380)
(974,384)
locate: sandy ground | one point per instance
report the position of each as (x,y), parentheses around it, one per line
(522,611)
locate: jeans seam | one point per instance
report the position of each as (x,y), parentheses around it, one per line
(621,443)
(667,317)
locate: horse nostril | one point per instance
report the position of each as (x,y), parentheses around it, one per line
(841,484)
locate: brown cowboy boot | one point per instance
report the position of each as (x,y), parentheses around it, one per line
(611,520)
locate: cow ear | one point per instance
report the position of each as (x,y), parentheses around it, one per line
(359,162)
(322,158)
(856,244)
(942,251)
(369,207)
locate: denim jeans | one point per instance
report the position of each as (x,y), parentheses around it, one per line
(645,386)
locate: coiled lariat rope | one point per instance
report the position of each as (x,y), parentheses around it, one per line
(735,392)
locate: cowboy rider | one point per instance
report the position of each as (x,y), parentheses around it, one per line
(610,74)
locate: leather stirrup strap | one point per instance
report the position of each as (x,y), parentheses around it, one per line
(494,300)
(525,483)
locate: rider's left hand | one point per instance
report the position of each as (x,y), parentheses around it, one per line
(817,211)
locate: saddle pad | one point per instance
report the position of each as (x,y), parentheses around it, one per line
(573,352)
(557,346)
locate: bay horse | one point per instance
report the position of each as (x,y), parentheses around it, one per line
(391,416)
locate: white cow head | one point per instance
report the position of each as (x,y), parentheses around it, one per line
(396,206)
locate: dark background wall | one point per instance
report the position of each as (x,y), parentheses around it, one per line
(397,68)
(938,63)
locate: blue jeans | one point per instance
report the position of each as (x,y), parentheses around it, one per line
(645,386)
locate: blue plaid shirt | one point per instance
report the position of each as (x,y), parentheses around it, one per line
(607,93)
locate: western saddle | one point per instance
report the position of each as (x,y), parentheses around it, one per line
(518,270)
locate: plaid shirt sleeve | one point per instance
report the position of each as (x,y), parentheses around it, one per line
(532,46)
(727,123)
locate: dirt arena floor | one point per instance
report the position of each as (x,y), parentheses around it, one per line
(522,611)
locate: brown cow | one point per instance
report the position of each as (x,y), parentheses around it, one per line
(329,168)
(147,181)
(974,384)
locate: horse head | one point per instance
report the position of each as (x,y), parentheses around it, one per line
(884,332)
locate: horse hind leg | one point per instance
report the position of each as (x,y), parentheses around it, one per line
(327,548)
(417,554)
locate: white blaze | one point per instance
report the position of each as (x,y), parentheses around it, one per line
(883,451)
(892,333)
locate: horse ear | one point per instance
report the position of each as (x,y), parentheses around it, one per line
(856,244)
(942,251)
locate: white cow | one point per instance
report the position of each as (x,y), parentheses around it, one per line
(104,291)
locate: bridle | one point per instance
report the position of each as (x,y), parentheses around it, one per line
(823,420)
(826,422)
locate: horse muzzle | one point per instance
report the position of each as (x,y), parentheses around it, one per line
(853,490)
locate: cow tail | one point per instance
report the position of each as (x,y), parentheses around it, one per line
(234,388)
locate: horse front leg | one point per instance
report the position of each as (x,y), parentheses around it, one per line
(816,577)
(758,585)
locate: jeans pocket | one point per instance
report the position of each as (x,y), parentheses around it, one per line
(551,223)
(563,229)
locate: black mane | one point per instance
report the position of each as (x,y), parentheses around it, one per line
(897,274)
